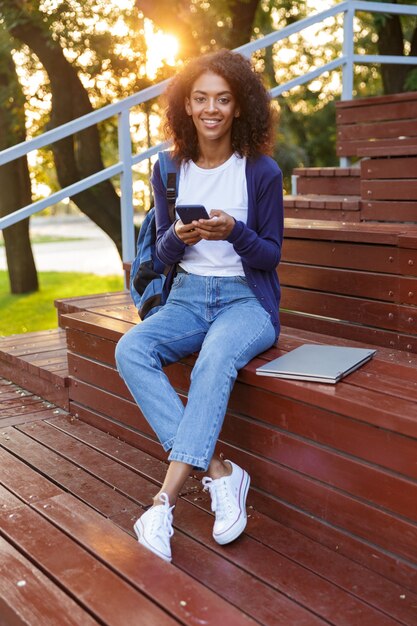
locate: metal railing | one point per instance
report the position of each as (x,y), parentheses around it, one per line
(123,108)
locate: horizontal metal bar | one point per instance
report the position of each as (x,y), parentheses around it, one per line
(147,154)
(67,192)
(81,123)
(328,67)
(292,29)
(379,58)
(382,7)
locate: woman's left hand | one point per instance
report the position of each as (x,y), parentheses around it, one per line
(217,228)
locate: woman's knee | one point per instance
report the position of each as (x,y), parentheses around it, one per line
(129,349)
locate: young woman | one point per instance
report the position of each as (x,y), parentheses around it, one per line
(224,300)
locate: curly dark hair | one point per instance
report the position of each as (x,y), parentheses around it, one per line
(251,131)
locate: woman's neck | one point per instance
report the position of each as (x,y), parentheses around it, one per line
(213,156)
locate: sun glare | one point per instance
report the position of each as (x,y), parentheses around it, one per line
(161,48)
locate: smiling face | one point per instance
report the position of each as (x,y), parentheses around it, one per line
(212,107)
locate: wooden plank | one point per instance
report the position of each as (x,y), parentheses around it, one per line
(385,287)
(68,475)
(389,168)
(377,337)
(376,108)
(98,589)
(356,256)
(21,479)
(389,211)
(56,335)
(356,147)
(93,346)
(362,311)
(333,185)
(118,429)
(393,189)
(397,151)
(27,596)
(90,371)
(102,326)
(321,214)
(355,233)
(71,305)
(100,400)
(381,129)
(314,200)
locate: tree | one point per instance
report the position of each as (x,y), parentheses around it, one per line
(395,34)
(14,177)
(78,156)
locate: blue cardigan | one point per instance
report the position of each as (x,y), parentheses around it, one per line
(258,242)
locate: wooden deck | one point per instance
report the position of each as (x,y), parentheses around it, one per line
(70,493)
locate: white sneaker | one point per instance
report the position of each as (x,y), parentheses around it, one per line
(154,528)
(228,501)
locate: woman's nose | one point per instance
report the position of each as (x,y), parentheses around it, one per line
(211,104)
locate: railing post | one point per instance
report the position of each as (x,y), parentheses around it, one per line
(347,70)
(126,186)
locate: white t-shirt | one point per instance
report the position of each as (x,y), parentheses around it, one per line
(224,188)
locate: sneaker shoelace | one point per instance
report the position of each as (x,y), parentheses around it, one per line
(220,499)
(161,520)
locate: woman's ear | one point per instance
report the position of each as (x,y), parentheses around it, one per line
(237,113)
(187,106)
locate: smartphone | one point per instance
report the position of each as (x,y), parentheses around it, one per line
(190,212)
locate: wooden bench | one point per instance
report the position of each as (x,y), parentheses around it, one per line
(385,121)
(382,132)
(336,464)
(69,495)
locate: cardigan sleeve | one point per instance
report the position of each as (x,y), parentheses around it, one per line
(260,247)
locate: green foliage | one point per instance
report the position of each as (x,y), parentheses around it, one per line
(36,311)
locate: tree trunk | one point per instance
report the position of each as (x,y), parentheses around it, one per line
(76,156)
(391,42)
(15,190)
(243,18)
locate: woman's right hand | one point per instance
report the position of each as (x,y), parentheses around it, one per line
(187,233)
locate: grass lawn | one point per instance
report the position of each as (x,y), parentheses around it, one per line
(36,311)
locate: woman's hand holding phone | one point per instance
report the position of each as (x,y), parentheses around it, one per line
(217,228)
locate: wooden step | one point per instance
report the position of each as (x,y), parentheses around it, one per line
(322,207)
(328,181)
(69,498)
(279,430)
(38,362)
(387,123)
(389,188)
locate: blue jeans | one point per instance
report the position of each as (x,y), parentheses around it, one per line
(223,320)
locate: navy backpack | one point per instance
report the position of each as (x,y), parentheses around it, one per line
(150,279)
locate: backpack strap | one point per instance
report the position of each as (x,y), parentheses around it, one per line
(169,177)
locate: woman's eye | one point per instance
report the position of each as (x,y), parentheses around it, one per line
(199,99)
(224,100)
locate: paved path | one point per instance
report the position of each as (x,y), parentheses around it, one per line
(92,252)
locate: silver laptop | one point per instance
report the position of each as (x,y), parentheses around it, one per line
(317,363)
